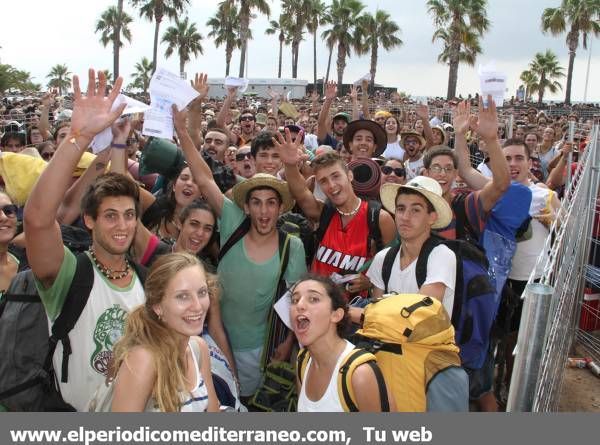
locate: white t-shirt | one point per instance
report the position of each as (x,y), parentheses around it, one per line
(413,169)
(394,150)
(441,268)
(330,401)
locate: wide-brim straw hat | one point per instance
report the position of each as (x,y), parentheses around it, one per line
(372,126)
(405,134)
(429,188)
(241,190)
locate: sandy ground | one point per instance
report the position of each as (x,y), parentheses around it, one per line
(581,389)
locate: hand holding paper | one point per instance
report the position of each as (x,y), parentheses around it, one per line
(492,83)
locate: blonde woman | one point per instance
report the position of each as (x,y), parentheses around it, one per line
(161,364)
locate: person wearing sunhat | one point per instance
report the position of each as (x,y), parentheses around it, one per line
(419,207)
(249,269)
(381,116)
(365,139)
(413,143)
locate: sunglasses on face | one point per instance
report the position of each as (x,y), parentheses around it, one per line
(242,156)
(387,170)
(10,210)
(246,118)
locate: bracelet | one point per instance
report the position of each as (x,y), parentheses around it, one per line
(121,146)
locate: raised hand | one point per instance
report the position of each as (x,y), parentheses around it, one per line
(461,117)
(179,119)
(422,111)
(200,84)
(273,94)
(92,112)
(354,92)
(331,90)
(48,98)
(120,130)
(291,152)
(232,92)
(486,124)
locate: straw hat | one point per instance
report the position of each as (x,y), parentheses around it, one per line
(372,126)
(405,134)
(427,187)
(241,189)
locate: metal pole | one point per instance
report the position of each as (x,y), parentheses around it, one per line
(530,345)
(511,121)
(570,158)
(587,74)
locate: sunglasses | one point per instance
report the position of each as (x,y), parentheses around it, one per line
(47,155)
(387,170)
(10,210)
(242,156)
(246,118)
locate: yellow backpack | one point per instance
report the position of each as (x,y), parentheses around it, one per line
(355,358)
(413,339)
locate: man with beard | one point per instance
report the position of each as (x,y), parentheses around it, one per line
(215,143)
(110,211)
(249,270)
(338,124)
(246,120)
(413,144)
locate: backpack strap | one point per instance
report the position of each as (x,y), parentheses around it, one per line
(324,220)
(388,264)
(373,210)
(237,235)
(140,271)
(421,268)
(464,230)
(75,301)
(301,363)
(354,359)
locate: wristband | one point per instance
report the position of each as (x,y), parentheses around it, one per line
(121,146)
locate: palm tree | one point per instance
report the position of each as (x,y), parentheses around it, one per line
(547,68)
(113,24)
(157,10)
(344,32)
(378,30)
(278,26)
(581,17)
(245,14)
(530,81)
(142,74)
(59,78)
(295,17)
(185,38)
(225,26)
(459,25)
(316,13)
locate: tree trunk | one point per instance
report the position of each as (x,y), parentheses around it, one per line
(572,42)
(295,48)
(542,88)
(228,54)
(453,63)
(280,57)
(328,68)
(117,42)
(374,52)
(181,67)
(341,66)
(244,25)
(155,51)
(315,60)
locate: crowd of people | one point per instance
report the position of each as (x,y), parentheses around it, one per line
(342,203)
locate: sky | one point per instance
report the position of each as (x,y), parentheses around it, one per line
(62,31)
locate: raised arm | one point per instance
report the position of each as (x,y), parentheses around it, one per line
(274,101)
(91,115)
(200,170)
(291,154)
(195,117)
(354,97)
(423,113)
(322,127)
(314,102)
(487,127)
(224,112)
(365,99)
(461,119)
(44,124)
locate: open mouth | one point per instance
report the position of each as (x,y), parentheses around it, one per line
(302,324)
(194,318)
(187,193)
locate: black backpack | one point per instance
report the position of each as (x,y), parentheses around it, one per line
(28,380)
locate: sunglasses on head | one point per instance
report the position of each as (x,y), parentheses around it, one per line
(242,156)
(9,210)
(387,170)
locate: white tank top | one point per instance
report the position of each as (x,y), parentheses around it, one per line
(330,402)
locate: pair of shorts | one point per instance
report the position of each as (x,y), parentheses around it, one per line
(248,368)
(481,381)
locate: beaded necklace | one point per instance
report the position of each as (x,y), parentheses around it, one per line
(353,212)
(108,272)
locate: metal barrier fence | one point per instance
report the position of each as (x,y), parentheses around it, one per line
(551,307)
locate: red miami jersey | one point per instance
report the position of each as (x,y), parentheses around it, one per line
(344,249)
